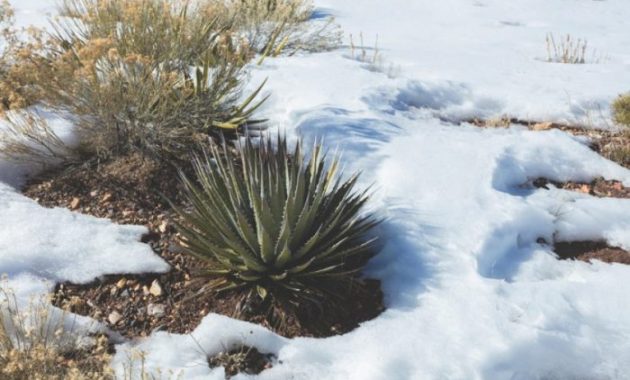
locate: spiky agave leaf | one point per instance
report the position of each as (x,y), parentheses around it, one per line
(272,220)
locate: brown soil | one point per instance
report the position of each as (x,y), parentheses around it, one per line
(588,250)
(243,360)
(134,190)
(599,187)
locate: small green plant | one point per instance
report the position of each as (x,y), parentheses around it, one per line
(621,110)
(275,225)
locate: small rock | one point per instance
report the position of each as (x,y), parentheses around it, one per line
(145,290)
(121,283)
(125,294)
(114,317)
(156,310)
(155,289)
(585,189)
(74,204)
(94,193)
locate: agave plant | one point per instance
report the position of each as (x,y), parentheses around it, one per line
(272,222)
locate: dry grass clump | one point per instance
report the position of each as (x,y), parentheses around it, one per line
(566,50)
(621,110)
(27,137)
(620,154)
(35,345)
(371,57)
(159,77)
(619,149)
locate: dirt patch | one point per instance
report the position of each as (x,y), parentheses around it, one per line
(134,190)
(242,360)
(599,187)
(589,250)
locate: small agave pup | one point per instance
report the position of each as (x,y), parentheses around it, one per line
(279,226)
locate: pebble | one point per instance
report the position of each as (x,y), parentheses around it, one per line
(114,317)
(163,226)
(156,310)
(155,289)
(74,204)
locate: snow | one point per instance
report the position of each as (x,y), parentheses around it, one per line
(471,291)
(496,49)
(59,245)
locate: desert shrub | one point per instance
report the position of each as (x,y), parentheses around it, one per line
(158,77)
(174,33)
(132,79)
(35,345)
(130,106)
(621,110)
(281,228)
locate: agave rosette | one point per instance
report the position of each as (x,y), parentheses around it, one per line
(271,219)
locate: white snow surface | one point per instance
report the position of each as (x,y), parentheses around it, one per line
(59,245)
(471,291)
